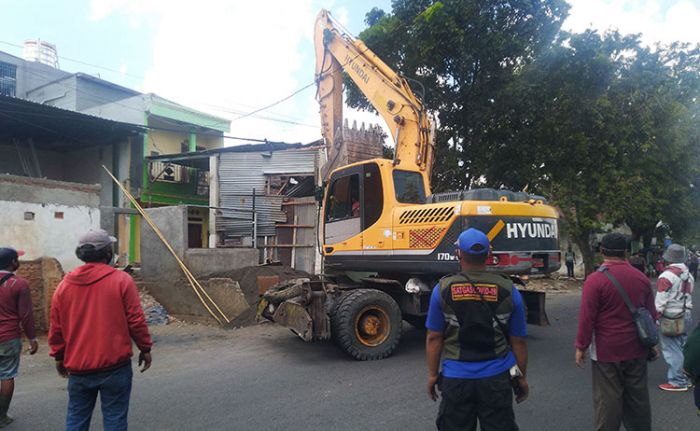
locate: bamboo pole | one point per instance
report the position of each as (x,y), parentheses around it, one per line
(196,286)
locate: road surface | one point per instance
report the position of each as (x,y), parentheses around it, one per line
(264,378)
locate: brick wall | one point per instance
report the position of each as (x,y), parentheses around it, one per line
(43,276)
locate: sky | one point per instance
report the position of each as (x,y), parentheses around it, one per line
(231,57)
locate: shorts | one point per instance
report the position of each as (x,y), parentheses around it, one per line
(9,358)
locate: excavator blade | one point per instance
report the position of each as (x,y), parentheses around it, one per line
(535,306)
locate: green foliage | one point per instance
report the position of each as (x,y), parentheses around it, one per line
(387,152)
(464,53)
(611,133)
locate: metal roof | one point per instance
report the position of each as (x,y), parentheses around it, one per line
(200,159)
(87,77)
(57,129)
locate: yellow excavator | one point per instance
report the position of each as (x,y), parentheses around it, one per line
(386,239)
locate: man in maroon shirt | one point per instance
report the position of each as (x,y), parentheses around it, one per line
(15,310)
(620,393)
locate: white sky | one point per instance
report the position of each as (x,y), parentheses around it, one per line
(229,57)
(658,21)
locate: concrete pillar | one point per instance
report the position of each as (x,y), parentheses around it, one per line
(213,199)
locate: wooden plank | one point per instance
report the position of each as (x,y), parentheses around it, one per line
(299,203)
(288,245)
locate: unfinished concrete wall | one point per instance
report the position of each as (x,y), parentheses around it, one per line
(181,302)
(156,260)
(43,276)
(46,218)
(202,261)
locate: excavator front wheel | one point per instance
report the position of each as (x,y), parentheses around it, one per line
(367,324)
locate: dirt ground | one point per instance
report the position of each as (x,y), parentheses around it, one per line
(553,284)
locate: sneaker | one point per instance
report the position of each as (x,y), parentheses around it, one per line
(672,388)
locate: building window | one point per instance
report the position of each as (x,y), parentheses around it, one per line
(8,79)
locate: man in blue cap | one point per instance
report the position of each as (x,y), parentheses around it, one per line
(476,322)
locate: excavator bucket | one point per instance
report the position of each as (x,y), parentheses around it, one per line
(299,305)
(293,315)
(535,306)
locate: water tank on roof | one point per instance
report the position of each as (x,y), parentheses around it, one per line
(40,51)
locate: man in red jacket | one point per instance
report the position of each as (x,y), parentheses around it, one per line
(95,313)
(606,328)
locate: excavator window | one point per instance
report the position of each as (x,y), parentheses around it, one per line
(409,187)
(344,199)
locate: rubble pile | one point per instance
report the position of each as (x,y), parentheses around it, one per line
(155,313)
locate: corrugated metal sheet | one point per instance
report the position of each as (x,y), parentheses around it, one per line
(239,223)
(240,173)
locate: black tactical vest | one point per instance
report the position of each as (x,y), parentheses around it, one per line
(471,333)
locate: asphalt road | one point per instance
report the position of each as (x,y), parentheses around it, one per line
(264,378)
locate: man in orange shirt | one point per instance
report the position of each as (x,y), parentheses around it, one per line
(95,313)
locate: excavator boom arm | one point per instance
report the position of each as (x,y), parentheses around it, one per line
(388,92)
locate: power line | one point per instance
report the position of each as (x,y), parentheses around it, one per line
(218,107)
(275,103)
(84,63)
(242,116)
(105,100)
(165,129)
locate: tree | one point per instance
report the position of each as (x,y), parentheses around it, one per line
(610,134)
(460,56)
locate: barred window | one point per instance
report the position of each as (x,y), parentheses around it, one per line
(8,79)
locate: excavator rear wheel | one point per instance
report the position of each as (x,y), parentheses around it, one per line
(367,324)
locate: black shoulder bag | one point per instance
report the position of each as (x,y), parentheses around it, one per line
(5,278)
(642,318)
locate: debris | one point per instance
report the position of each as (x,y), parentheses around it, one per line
(553,284)
(155,313)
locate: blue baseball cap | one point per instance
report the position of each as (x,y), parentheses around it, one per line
(473,241)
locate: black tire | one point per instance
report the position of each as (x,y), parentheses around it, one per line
(367,324)
(417,322)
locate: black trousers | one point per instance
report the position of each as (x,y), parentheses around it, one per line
(570,269)
(490,400)
(621,395)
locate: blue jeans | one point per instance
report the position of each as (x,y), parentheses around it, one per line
(672,349)
(114,388)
